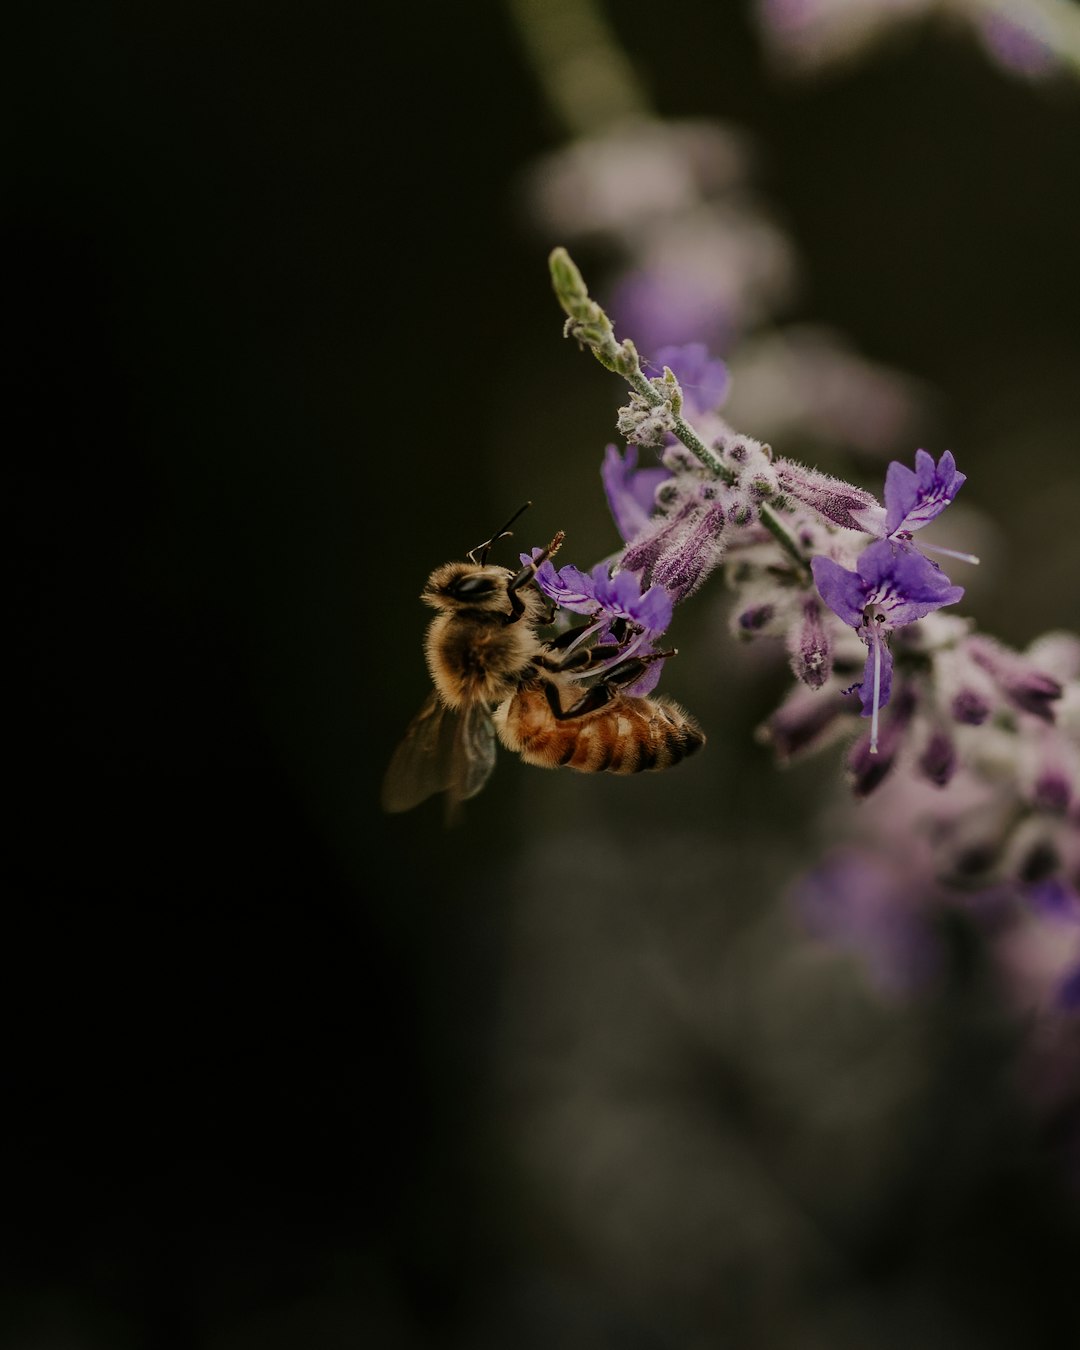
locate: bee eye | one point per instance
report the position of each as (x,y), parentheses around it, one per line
(472,588)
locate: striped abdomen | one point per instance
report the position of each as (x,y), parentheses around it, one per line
(627,735)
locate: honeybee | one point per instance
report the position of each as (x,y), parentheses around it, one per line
(496,678)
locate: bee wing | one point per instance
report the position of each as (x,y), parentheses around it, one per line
(442,751)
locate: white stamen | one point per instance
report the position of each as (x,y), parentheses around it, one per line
(948,552)
(876,636)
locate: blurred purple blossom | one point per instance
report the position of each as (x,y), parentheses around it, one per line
(631,492)
(704,379)
(858,902)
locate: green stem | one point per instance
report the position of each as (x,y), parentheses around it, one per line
(780,534)
(587,79)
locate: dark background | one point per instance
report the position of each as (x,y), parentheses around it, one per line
(279,1071)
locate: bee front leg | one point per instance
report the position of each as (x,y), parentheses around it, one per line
(517,605)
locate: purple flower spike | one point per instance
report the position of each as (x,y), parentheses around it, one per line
(913,498)
(892,586)
(630,491)
(1027,688)
(704,380)
(852,507)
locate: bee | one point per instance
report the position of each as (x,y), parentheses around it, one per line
(495,678)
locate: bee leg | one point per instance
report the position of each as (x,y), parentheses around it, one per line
(517,605)
(597,697)
(626,672)
(582,659)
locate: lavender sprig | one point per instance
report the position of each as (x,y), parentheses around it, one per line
(589,324)
(680,520)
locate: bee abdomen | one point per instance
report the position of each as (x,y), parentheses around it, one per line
(629,735)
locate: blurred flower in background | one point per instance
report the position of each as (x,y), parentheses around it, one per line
(1024,37)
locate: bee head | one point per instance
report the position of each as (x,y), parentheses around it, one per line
(459,585)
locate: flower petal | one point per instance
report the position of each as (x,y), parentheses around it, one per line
(842,591)
(913,498)
(907,585)
(630,491)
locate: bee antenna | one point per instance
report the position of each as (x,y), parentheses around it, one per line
(504,533)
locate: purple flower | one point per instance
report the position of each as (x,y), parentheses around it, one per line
(621,597)
(569,587)
(630,491)
(704,380)
(605,597)
(914,497)
(892,585)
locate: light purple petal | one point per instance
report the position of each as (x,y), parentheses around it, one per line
(842,591)
(654,610)
(915,498)
(903,582)
(630,491)
(866,689)
(570,588)
(621,597)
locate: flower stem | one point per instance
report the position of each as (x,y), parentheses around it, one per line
(780,534)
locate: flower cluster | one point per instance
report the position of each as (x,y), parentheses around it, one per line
(844,581)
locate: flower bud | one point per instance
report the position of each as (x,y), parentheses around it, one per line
(809,647)
(839,502)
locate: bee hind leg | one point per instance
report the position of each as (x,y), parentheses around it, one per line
(603,693)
